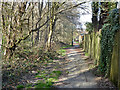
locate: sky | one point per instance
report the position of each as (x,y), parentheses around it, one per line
(87,17)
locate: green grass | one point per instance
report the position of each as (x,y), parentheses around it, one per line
(28,86)
(86,54)
(20,86)
(62,52)
(67,46)
(77,42)
(40,76)
(47,82)
(43,85)
(58,73)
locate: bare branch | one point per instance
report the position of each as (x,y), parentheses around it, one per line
(33,30)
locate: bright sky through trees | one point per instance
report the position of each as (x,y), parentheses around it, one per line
(87,17)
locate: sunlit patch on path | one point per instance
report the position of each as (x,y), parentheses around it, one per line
(79,75)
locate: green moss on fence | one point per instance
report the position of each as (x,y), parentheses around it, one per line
(93,48)
(114,61)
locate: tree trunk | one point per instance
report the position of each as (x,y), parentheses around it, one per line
(32,25)
(0,47)
(46,33)
(94,15)
(103,14)
(40,7)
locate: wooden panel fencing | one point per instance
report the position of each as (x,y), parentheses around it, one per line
(92,47)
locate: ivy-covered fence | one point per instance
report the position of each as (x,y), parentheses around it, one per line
(104,47)
(93,48)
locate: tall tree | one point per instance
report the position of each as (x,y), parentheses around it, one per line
(20,20)
(105,7)
(94,15)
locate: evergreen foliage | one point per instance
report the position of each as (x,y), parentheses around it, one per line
(107,40)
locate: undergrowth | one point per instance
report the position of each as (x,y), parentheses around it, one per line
(26,60)
(45,80)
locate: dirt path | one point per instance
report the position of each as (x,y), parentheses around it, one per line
(78,73)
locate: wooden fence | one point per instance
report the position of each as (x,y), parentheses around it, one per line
(92,47)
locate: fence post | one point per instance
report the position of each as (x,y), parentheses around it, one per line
(84,42)
(0,59)
(119,52)
(119,61)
